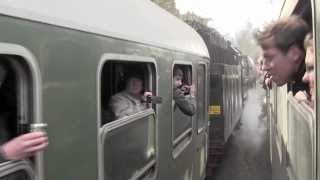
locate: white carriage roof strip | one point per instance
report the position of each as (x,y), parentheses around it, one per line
(134,20)
(288,8)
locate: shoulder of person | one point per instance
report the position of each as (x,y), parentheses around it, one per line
(121,96)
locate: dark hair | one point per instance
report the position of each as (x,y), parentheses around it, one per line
(133,74)
(177,72)
(283,34)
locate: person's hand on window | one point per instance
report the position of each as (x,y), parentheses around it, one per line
(147,93)
(24,146)
(303,96)
(147,98)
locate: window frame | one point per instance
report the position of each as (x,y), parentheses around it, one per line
(121,58)
(10,167)
(10,50)
(205,115)
(126,121)
(315,8)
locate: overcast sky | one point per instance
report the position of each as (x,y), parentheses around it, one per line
(230,16)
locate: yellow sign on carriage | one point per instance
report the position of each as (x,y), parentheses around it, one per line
(214,110)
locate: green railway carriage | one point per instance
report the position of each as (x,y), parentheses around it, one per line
(67,58)
(228,85)
(294,126)
(225,108)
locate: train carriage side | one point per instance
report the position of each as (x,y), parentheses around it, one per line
(293,125)
(66,66)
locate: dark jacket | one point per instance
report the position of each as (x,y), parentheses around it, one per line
(296,84)
(186,103)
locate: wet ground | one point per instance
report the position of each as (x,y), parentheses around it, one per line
(246,155)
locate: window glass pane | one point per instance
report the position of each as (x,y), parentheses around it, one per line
(18,175)
(127,149)
(201,107)
(181,122)
(300,140)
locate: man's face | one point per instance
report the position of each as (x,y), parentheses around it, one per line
(177,81)
(278,65)
(309,75)
(134,86)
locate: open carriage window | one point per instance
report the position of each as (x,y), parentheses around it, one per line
(126,89)
(184,105)
(8,105)
(307,74)
(15,96)
(16,111)
(128,119)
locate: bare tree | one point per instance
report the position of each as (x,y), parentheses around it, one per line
(246,43)
(169,5)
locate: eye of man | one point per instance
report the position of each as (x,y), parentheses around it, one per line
(267,60)
(309,68)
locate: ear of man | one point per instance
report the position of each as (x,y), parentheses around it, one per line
(295,53)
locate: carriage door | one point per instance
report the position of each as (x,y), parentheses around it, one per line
(202,121)
(127,136)
(19,96)
(301,144)
(182,131)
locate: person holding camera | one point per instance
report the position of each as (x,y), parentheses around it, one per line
(131,100)
(183,95)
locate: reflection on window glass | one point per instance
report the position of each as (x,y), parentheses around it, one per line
(129,148)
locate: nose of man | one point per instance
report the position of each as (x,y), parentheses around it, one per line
(305,78)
